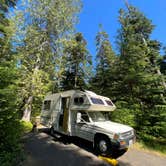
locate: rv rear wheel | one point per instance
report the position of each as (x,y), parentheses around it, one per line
(52,131)
(102,146)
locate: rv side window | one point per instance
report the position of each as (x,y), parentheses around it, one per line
(78,100)
(47,104)
(84,117)
(96,101)
(109,102)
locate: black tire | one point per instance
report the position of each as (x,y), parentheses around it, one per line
(52,131)
(103,146)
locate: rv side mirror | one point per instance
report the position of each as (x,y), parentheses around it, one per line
(78,117)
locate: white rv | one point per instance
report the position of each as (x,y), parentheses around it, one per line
(84,114)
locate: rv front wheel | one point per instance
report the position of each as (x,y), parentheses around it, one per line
(102,146)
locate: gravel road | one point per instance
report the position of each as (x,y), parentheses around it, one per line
(44,150)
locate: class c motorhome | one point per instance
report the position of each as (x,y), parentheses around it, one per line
(84,114)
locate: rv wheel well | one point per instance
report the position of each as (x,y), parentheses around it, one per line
(99,136)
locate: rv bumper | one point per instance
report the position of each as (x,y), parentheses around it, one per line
(123,143)
(119,147)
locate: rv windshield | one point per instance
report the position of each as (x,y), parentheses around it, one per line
(99,116)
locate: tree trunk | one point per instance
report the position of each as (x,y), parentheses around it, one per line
(28,109)
(76,76)
(28,106)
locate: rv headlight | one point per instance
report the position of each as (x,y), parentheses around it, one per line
(123,143)
(116,136)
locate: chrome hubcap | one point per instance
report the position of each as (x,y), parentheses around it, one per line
(103,146)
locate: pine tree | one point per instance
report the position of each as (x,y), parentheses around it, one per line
(140,81)
(5,30)
(103,81)
(78,63)
(9,124)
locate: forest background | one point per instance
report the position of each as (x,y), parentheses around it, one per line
(41,51)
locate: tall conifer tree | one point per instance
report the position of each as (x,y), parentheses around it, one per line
(141,83)
(78,63)
(105,61)
(9,125)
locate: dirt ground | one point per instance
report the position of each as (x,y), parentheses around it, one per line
(44,150)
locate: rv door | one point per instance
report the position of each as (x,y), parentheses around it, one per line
(64,115)
(46,113)
(82,129)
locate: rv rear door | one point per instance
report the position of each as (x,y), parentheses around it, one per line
(46,113)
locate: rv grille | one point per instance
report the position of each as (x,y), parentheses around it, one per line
(127,134)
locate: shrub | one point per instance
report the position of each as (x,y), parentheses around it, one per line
(26,127)
(10,144)
(10,147)
(124,116)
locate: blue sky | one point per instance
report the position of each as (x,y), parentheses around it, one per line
(105,12)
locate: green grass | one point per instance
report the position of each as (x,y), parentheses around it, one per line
(153,144)
(26,126)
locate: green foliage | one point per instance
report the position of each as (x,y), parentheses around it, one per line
(153,123)
(154,143)
(162,63)
(78,63)
(10,149)
(124,116)
(9,125)
(48,26)
(102,82)
(140,85)
(26,127)
(133,79)
(50,57)
(6,4)
(5,27)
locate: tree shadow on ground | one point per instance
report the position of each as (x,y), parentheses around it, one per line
(83,144)
(43,150)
